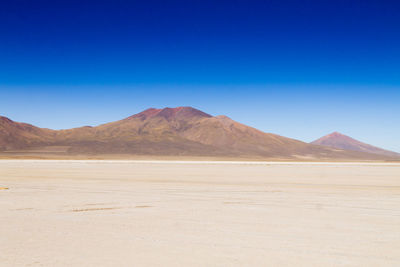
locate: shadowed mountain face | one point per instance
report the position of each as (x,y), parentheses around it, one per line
(341,141)
(170,131)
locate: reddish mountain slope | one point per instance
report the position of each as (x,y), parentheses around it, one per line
(170,131)
(341,141)
(188,131)
(15,135)
(153,131)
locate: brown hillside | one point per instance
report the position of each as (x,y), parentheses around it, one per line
(341,141)
(15,135)
(170,131)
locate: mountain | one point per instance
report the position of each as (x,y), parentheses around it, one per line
(182,131)
(15,135)
(341,141)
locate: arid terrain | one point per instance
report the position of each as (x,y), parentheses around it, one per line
(180,131)
(341,141)
(176,213)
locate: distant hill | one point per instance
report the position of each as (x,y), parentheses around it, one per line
(182,131)
(15,135)
(341,141)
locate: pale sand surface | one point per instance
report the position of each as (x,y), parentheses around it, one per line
(133,213)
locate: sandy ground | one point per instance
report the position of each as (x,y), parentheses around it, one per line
(132,213)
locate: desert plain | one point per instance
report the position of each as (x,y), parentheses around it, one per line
(189,213)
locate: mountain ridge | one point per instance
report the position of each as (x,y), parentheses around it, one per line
(183,131)
(342,141)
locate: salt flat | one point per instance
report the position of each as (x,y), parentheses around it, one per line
(151,213)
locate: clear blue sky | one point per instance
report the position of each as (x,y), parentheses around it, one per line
(301,69)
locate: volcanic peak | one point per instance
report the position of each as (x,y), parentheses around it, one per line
(170,113)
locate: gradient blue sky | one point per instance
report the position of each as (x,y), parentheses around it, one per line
(301,69)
